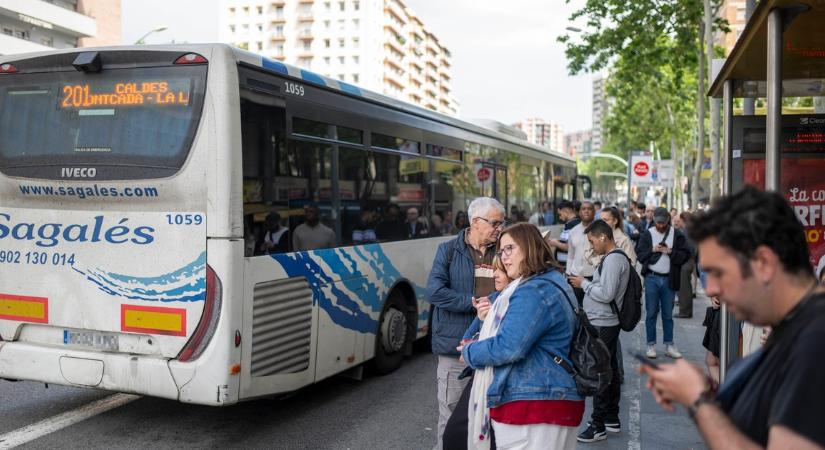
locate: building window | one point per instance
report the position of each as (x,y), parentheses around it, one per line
(326,60)
(326,43)
(326,24)
(246,10)
(21,34)
(341,43)
(231,12)
(341,6)
(260,45)
(355,42)
(342,24)
(260,27)
(341,60)
(47,41)
(232,28)
(8,31)
(355,23)
(327,6)
(260,10)
(307,45)
(355,78)
(245,27)
(340,76)
(355,59)
(356,5)
(279,30)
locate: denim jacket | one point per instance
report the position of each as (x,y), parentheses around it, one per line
(537,326)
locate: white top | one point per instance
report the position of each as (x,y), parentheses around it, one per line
(578,247)
(663,264)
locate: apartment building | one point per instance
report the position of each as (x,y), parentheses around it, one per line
(601,107)
(578,143)
(542,132)
(735,12)
(380,45)
(38,25)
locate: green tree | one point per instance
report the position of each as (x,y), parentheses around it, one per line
(649,48)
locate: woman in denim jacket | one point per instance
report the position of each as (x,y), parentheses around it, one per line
(518,387)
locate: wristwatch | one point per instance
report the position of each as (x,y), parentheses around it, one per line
(707,396)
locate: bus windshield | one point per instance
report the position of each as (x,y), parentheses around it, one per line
(136,119)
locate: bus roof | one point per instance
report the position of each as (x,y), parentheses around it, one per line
(308,76)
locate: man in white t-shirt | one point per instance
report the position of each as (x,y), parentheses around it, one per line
(662,250)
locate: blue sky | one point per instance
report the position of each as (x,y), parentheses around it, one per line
(506,62)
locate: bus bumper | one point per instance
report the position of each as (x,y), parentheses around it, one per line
(143,375)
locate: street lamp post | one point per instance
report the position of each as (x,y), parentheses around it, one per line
(141,41)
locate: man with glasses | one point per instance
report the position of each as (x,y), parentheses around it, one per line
(461,276)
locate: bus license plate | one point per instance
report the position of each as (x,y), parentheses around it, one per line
(92,339)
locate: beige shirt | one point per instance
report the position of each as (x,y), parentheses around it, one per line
(623,243)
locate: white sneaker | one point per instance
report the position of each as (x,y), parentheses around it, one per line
(672,351)
(651,351)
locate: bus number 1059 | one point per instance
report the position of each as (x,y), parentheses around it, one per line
(184,219)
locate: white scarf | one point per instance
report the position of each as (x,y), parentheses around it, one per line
(478,414)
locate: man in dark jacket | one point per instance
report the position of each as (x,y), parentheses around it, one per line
(662,250)
(462,273)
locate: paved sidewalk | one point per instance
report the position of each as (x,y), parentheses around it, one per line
(645,425)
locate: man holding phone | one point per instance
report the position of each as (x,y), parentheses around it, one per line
(662,250)
(603,298)
(754,251)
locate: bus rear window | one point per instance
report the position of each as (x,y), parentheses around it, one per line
(128,123)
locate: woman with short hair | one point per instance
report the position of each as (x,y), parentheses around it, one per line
(518,388)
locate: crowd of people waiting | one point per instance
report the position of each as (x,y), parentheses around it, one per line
(511,305)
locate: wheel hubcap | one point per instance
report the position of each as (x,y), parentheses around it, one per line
(393,330)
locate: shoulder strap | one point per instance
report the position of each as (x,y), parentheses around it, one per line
(617,250)
(556,359)
(565,295)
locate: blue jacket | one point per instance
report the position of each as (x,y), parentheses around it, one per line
(538,325)
(450,290)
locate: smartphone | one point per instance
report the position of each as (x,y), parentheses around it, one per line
(646,361)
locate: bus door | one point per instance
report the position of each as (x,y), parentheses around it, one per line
(280,321)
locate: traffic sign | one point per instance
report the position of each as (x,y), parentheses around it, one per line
(484,174)
(641,168)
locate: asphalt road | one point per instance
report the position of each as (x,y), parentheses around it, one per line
(397,411)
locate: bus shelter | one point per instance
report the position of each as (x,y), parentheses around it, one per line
(780,53)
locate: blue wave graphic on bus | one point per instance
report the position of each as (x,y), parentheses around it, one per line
(366,274)
(187,284)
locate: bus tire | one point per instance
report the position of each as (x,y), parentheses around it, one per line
(393,336)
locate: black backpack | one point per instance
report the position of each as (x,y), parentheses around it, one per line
(590,357)
(631,312)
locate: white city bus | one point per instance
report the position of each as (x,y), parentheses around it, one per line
(135,186)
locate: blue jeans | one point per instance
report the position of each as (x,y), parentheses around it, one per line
(658,295)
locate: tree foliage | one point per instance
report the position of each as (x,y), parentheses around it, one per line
(650,48)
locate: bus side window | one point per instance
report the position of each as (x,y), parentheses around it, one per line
(263,154)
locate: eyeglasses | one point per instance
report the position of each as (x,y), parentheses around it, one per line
(507,250)
(495,223)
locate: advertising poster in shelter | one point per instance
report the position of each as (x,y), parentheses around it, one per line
(804,187)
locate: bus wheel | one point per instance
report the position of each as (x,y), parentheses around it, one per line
(393,335)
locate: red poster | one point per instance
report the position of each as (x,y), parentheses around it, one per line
(803,185)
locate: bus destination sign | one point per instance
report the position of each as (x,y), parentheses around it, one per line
(125,94)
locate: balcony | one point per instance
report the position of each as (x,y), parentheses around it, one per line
(391,41)
(394,63)
(12,45)
(393,8)
(278,20)
(46,15)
